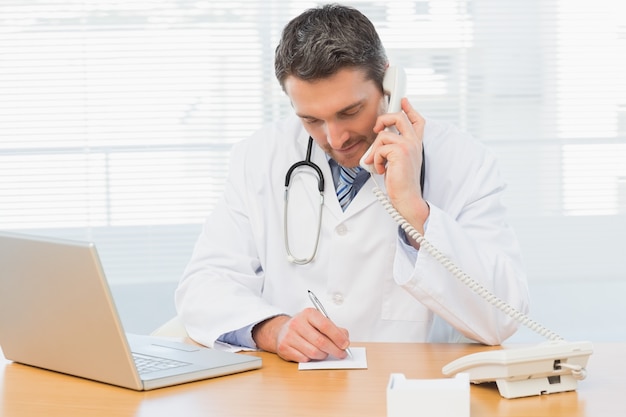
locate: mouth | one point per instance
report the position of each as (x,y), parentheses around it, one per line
(350,155)
(349,149)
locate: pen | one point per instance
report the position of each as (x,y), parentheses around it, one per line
(318,305)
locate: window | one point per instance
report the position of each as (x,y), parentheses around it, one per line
(117,116)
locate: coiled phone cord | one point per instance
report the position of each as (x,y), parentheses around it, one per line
(459,274)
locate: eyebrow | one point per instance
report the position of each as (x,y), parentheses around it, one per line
(343,110)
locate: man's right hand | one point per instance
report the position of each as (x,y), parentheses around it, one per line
(308,335)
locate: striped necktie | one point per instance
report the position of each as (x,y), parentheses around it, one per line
(345,190)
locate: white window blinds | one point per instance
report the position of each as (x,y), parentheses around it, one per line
(116,117)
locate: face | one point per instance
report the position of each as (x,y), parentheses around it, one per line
(339,112)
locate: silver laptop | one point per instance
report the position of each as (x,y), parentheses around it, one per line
(57,313)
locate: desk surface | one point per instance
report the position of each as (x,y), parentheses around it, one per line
(279,389)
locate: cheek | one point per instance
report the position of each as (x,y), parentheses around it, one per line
(322,143)
(315,131)
(369,121)
(318,135)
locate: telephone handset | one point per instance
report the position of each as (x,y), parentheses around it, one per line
(551,367)
(394,85)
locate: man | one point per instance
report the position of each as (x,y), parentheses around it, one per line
(240,287)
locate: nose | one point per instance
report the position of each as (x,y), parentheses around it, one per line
(336,135)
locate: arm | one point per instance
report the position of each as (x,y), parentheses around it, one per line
(489,255)
(222,289)
(466,222)
(305,336)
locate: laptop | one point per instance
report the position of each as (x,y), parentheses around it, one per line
(57,313)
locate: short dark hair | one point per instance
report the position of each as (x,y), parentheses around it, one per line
(323,40)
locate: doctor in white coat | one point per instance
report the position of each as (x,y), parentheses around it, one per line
(240,286)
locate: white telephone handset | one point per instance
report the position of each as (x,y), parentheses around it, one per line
(394,85)
(547,368)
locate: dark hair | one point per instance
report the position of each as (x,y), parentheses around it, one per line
(321,41)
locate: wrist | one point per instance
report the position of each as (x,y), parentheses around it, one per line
(417,217)
(416,213)
(265,333)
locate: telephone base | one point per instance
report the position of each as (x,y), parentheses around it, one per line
(536,386)
(545,368)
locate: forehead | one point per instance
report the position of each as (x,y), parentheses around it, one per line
(329,95)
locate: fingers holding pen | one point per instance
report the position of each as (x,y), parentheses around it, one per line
(309,335)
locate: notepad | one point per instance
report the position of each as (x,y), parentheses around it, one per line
(357,361)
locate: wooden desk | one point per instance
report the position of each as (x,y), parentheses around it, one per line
(279,389)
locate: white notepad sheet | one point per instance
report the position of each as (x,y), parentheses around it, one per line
(357,361)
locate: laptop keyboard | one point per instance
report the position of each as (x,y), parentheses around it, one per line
(146,364)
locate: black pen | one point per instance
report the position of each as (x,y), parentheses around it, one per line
(318,305)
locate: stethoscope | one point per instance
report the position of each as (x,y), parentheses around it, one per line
(320,186)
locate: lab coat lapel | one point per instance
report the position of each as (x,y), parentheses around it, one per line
(363,199)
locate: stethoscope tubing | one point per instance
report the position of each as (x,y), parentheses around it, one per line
(320,186)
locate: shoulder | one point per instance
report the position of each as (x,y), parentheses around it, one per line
(267,149)
(458,166)
(272,137)
(445,142)
(439,134)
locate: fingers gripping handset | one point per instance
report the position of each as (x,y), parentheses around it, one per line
(394,86)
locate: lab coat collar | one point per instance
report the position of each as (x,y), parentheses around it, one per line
(362,200)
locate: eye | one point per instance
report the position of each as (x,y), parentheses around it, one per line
(351,112)
(310,120)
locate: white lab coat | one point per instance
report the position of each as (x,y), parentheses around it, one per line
(363,273)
